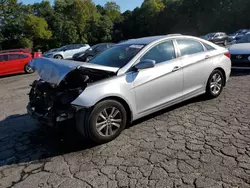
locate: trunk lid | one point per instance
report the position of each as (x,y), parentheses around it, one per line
(54,71)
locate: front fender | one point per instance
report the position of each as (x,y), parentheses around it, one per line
(117,87)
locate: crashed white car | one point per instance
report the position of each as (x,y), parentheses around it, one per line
(126,82)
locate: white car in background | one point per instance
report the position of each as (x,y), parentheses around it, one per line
(66,52)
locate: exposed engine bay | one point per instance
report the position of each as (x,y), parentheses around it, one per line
(51,102)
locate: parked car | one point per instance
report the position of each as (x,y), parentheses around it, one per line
(127,82)
(15,62)
(237,35)
(92,51)
(217,38)
(67,52)
(240,53)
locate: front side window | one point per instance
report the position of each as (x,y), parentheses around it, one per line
(189,47)
(3,58)
(161,53)
(118,56)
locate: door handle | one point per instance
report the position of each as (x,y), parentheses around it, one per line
(207,57)
(176,68)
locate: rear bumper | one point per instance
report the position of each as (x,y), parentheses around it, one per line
(51,120)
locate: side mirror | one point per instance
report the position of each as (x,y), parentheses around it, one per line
(145,64)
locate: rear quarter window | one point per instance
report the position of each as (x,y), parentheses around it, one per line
(208,47)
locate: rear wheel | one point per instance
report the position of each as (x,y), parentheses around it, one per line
(28,69)
(215,84)
(104,122)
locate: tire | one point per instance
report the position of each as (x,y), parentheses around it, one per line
(88,58)
(58,57)
(215,84)
(28,69)
(87,121)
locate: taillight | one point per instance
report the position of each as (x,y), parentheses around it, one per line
(228,54)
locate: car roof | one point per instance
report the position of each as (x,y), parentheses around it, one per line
(147,40)
(9,53)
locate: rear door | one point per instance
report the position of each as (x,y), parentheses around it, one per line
(17,62)
(196,63)
(3,64)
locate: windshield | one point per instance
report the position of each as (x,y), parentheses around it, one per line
(92,47)
(117,56)
(244,39)
(61,49)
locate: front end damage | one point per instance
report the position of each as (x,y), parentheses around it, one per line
(50,97)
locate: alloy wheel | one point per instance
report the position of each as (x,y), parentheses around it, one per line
(216,83)
(29,69)
(108,121)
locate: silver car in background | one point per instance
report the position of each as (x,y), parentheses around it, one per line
(127,82)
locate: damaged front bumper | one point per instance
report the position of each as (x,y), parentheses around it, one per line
(52,119)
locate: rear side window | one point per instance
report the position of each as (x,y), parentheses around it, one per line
(3,58)
(102,47)
(189,47)
(14,56)
(22,56)
(208,47)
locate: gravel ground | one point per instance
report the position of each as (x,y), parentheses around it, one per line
(199,143)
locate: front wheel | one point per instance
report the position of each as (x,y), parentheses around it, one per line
(28,69)
(215,84)
(104,122)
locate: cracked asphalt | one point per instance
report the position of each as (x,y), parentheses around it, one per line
(199,143)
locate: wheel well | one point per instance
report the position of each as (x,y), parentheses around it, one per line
(57,55)
(124,103)
(224,75)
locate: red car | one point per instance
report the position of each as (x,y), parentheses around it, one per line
(15,62)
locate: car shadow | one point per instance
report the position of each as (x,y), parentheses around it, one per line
(12,75)
(200,98)
(22,139)
(237,73)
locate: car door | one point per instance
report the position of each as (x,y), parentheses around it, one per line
(14,63)
(68,53)
(158,86)
(3,64)
(196,65)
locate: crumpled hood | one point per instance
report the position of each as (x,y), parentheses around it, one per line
(240,48)
(54,70)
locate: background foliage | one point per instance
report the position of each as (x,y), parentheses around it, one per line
(44,26)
